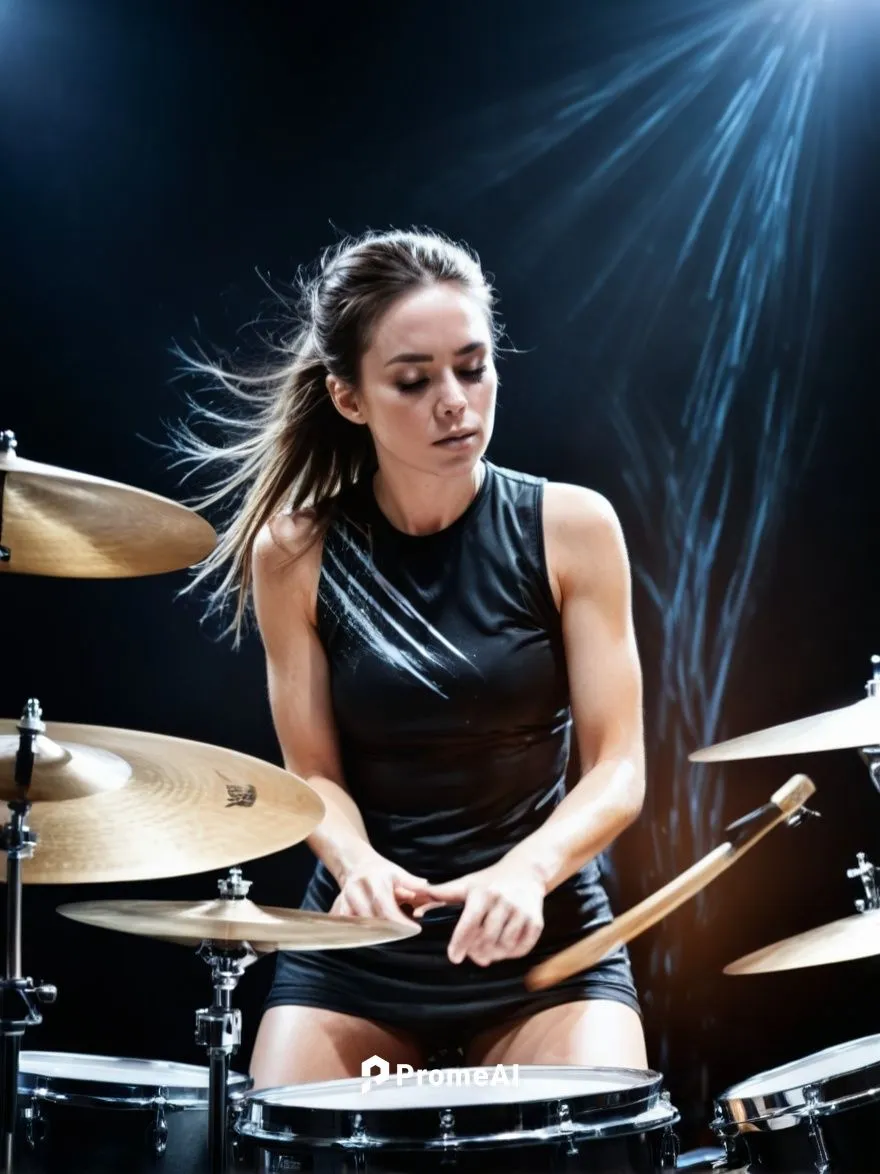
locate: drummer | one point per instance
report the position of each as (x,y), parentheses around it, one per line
(441,635)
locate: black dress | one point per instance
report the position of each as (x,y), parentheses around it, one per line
(450,695)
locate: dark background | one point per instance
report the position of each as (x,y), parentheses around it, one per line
(161,162)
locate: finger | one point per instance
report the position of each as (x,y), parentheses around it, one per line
(421,910)
(485,942)
(359,902)
(528,939)
(510,937)
(384,904)
(468,927)
(451,893)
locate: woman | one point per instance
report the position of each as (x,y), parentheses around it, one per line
(435,628)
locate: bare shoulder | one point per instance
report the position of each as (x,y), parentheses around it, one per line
(287,560)
(583,538)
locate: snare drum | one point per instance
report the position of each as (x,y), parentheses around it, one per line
(530,1118)
(100,1113)
(820,1113)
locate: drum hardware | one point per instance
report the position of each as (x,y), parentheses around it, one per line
(865,871)
(218,1027)
(553,1119)
(852,727)
(64,524)
(229,934)
(787,805)
(845,940)
(20,997)
(819,1113)
(108,1115)
(153,806)
(814,1126)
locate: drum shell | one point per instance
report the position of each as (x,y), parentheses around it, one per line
(849,1139)
(822,1111)
(69,1123)
(633,1137)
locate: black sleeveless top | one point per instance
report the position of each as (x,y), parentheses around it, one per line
(448,679)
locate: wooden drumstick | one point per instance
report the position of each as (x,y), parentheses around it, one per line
(746,833)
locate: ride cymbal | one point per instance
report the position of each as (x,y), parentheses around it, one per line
(845,940)
(64,524)
(237,922)
(850,728)
(116,805)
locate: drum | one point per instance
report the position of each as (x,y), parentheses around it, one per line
(100,1113)
(519,1118)
(818,1114)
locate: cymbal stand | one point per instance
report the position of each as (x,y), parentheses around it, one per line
(18,995)
(870,755)
(218,1027)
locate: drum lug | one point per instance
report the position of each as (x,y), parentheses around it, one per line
(669,1149)
(563,1117)
(158,1132)
(822,1162)
(36,1127)
(447,1125)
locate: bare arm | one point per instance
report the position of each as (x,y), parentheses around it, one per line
(589,571)
(591,579)
(285,584)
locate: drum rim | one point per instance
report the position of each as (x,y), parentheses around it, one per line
(445,1125)
(802,1098)
(65,1088)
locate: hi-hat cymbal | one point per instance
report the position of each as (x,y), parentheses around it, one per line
(238,922)
(115,805)
(845,940)
(849,728)
(71,525)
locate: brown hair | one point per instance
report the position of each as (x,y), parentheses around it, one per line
(291,449)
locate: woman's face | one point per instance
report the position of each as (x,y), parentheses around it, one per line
(428,382)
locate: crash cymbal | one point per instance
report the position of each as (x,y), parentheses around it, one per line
(236,923)
(839,941)
(114,805)
(71,525)
(849,728)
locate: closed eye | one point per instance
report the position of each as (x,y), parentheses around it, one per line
(471,375)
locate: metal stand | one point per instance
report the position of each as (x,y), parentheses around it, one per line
(865,871)
(218,1027)
(18,995)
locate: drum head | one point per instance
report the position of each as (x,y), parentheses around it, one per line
(456,1087)
(828,1080)
(427,1106)
(84,1079)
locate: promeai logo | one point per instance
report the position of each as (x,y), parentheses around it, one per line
(375,1070)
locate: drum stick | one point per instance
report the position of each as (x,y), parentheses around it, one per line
(745,833)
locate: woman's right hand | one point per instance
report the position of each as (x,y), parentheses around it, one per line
(376,887)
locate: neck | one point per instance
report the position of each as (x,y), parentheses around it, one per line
(420,503)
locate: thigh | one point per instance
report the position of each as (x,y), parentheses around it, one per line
(592,1032)
(296,1044)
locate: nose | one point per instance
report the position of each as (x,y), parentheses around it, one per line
(451,400)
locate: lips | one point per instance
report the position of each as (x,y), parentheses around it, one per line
(456,436)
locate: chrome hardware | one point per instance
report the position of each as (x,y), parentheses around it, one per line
(865,872)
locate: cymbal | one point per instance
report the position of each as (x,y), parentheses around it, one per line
(851,727)
(236,922)
(64,524)
(845,940)
(114,805)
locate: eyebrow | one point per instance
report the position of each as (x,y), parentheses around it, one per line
(414,358)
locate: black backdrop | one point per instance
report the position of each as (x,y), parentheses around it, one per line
(160,161)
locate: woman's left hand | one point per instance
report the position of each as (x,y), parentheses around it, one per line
(503,914)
